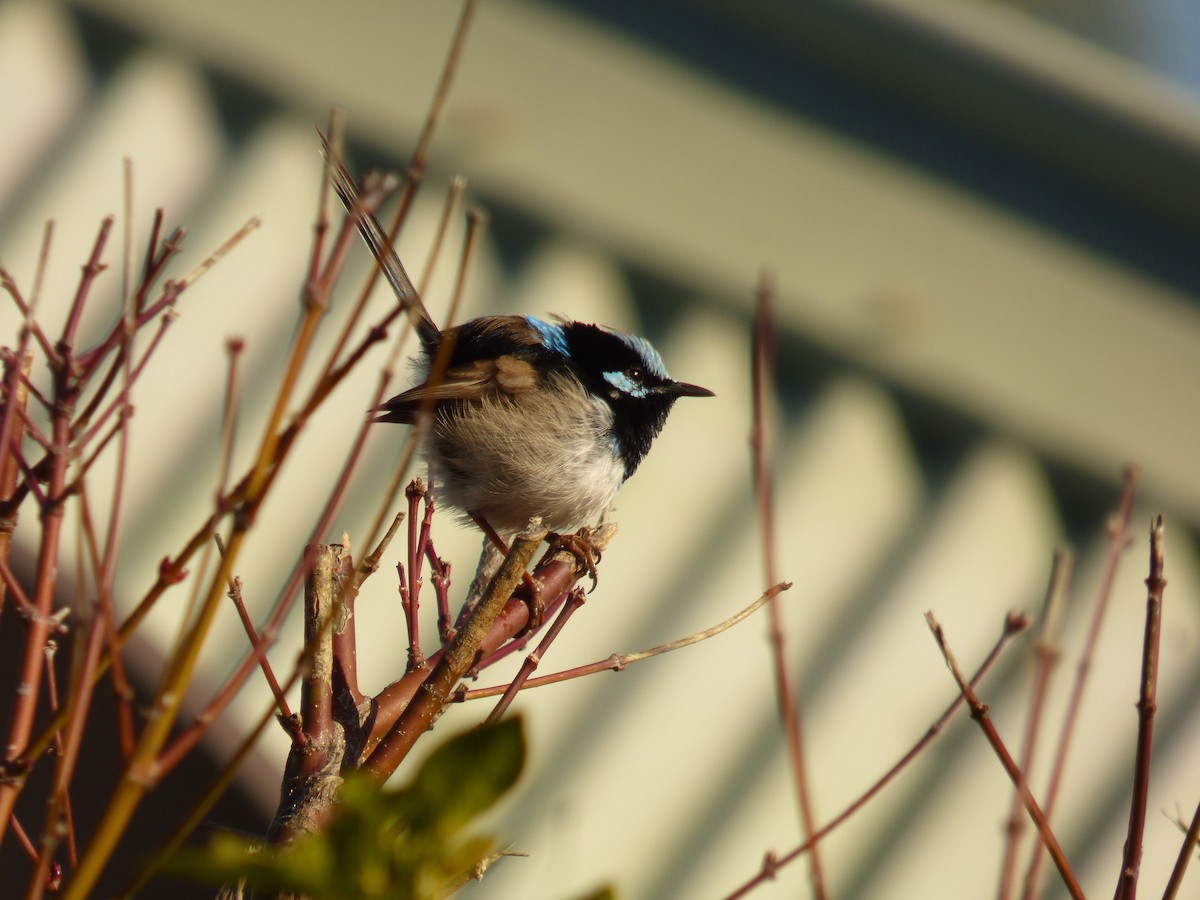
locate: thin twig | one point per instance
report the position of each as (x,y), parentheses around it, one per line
(410,580)
(90,360)
(52,697)
(106,576)
(151,267)
(91,269)
(235,594)
(11,435)
(455,662)
(13,586)
(620,662)
(194,275)
(438,103)
(441,586)
(1013,624)
(454,195)
(52,511)
(17,389)
(191,735)
(477,221)
(26,384)
(120,403)
(142,770)
(1046,647)
(71,742)
(762,442)
(575,599)
(123,694)
(229,412)
(215,791)
(979,712)
(521,640)
(77,707)
(1190,840)
(1118,543)
(371,564)
(1147,707)
(26,308)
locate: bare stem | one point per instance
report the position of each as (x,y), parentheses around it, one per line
(1147,707)
(142,770)
(91,269)
(1047,650)
(438,104)
(322,594)
(554,574)
(1118,543)
(235,594)
(45,579)
(476,224)
(205,803)
(455,662)
(1013,624)
(575,599)
(410,581)
(762,442)
(11,433)
(26,309)
(268,633)
(1186,850)
(620,662)
(979,712)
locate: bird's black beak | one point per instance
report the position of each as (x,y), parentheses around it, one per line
(683,389)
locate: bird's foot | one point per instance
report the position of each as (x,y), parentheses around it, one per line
(581,546)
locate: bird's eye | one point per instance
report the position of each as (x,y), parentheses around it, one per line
(635,374)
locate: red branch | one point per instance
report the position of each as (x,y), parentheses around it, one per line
(1118,543)
(1013,624)
(979,712)
(762,442)
(1147,706)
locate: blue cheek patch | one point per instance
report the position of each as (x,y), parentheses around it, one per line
(625,384)
(552,335)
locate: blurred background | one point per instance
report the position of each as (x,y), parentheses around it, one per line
(983,221)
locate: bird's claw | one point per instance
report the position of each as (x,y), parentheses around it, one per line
(581,546)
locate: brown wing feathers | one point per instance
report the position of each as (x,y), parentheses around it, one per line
(476,380)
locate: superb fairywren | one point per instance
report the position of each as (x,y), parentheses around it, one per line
(528,417)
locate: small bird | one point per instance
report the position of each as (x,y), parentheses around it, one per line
(528,417)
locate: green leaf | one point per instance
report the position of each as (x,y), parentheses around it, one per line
(403,843)
(467,774)
(603,893)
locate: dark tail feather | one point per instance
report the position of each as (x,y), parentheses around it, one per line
(380,247)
